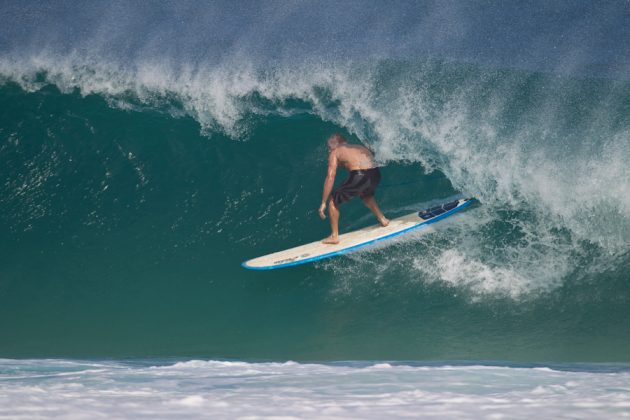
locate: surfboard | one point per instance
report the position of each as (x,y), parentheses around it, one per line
(357,239)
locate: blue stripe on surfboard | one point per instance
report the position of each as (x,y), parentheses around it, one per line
(346,250)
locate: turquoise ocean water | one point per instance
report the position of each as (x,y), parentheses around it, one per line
(147,150)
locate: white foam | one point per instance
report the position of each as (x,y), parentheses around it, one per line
(216,389)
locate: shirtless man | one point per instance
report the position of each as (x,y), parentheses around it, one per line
(362,181)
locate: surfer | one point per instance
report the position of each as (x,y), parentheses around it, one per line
(363,178)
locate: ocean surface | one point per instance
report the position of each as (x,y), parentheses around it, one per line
(154,389)
(147,149)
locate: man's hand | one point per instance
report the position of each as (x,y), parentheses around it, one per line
(322,208)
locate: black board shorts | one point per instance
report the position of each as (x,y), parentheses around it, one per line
(362,183)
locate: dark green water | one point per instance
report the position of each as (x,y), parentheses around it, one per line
(123,231)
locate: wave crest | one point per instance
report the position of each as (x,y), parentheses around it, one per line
(548,157)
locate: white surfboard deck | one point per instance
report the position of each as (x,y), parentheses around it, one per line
(353,240)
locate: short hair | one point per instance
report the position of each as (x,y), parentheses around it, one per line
(337,139)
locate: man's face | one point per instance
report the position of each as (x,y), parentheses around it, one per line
(332,145)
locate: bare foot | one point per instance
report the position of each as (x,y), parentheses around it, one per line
(384,222)
(332,240)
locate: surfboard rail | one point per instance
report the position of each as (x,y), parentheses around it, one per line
(316,251)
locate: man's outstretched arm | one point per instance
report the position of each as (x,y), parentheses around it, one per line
(329,182)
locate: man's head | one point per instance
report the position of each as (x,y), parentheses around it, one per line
(335,141)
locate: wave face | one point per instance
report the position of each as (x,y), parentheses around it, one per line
(202,389)
(143,159)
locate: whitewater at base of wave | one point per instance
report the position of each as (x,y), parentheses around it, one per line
(74,389)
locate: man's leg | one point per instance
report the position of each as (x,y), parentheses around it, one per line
(333,213)
(370,203)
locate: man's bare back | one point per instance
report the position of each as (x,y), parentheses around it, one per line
(354,157)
